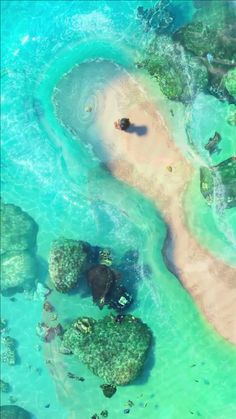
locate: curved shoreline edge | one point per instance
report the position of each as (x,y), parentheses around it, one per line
(142,161)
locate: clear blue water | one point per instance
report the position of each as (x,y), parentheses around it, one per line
(61,184)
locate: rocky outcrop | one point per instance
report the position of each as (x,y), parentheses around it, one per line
(113,350)
(179,75)
(18,269)
(67,261)
(18,229)
(221,175)
(230,82)
(101,279)
(210,36)
(18,246)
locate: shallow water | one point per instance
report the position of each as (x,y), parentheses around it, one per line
(56,176)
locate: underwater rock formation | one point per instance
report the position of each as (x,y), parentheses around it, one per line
(118,298)
(101,279)
(4,387)
(225,174)
(18,229)
(18,270)
(67,262)
(18,243)
(158,18)
(14,412)
(231,119)
(9,355)
(230,82)
(108,390)
(179,74)
(114,351)
(212,144)
(210,36)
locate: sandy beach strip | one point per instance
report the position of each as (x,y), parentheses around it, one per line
(147,159)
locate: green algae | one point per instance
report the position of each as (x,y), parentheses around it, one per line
(114,351)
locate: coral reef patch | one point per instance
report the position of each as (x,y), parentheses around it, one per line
(67,261)
(223,174)
(18,245)
(180,75)
(114,351)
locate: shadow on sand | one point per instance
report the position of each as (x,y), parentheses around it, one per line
(139,130)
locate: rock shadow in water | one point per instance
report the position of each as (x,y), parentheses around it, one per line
(148,366)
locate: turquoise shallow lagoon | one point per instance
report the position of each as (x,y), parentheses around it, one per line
(60,182)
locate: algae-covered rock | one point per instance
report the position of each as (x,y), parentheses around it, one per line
(67,261)
(114,351)
(231,118)
(210,36)
(212,31)
(18,242)
(179,75)
(14,412)
(18,229)
(223,174)
(159,18)
(18,270)
(230,82)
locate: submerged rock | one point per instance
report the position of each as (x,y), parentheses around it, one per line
(231,119)
(179,75)
(210,36)
(119,299)
(4,387)
(67,262)
(9,353)
(101,279)
(114,351)
(18,269)
(158,19)
(18,229)
(108,390)
(230,82)
(18,242)
(212,144)
(14,412)
(221,175)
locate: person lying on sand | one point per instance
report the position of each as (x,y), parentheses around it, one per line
(122,124)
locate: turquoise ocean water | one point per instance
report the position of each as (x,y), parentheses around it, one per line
(61,184)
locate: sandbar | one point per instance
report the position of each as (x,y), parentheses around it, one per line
(148,159)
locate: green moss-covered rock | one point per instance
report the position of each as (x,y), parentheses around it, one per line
(67,261)
(231,119)
(179,75)
(222,174)
(114,351)
(14,412)
(18,270)
(212,31)
(230,82)
(18,229)
(18,242)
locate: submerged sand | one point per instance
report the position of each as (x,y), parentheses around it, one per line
(148,159)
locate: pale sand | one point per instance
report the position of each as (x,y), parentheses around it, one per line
(141,161)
